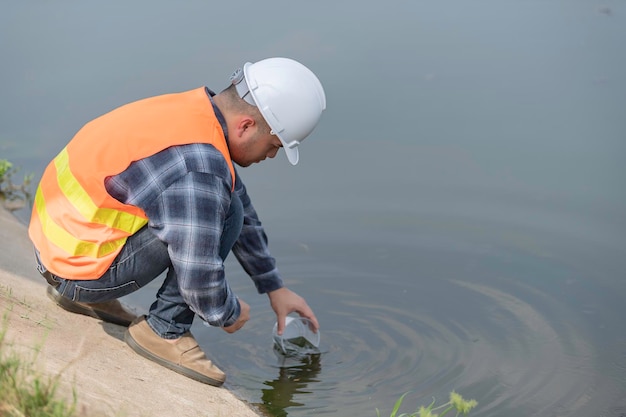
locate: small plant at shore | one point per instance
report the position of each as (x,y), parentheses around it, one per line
(13,196)
(23,391)
(456,402)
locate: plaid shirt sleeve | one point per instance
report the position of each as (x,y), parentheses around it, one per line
(252,250)
(185,192)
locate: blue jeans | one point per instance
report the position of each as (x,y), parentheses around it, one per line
(143,258)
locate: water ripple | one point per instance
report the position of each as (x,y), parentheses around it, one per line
(515,348)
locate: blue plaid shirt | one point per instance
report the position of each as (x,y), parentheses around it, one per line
(185,191)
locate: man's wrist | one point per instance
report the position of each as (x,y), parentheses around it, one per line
(270,281)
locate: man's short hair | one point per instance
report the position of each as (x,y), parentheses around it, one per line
(238,105)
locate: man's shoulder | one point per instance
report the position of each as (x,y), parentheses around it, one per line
(177,161)
(202,157)
(183,159)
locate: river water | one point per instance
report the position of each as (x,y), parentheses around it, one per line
(457,221)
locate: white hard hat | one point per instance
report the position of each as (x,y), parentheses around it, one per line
(289,96)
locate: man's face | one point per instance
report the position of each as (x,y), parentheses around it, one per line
(254,146)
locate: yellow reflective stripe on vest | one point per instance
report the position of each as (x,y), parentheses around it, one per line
(64,240)
(81,200)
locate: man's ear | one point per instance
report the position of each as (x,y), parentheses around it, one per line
(244,124)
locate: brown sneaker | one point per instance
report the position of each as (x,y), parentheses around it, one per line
(109,311)
(183,356)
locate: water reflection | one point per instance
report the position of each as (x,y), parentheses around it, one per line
(296,372)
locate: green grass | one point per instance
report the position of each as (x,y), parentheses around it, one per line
(25,392)
(13,196)
(455,403)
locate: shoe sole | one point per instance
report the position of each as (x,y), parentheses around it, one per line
(73,307)
(190,373)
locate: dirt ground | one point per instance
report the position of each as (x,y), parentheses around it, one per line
(89,355)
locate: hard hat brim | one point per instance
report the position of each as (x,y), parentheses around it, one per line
(293,155)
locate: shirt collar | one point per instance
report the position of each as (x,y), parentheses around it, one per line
(220,117)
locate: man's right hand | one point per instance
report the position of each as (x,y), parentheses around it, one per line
(244,316)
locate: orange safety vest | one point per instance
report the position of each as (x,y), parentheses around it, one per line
(76,226)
